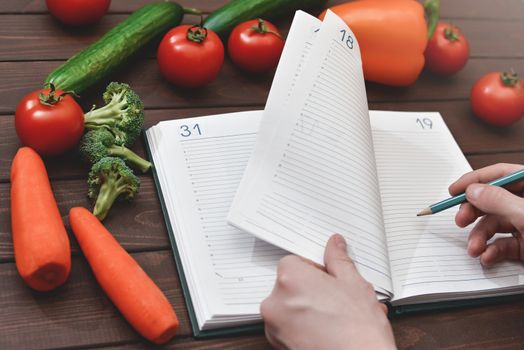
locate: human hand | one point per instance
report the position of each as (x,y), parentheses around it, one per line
(335,308)
(501,209)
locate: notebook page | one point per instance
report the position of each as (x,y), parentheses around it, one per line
(319,175)
(417,159)
(299,43)
(202,161)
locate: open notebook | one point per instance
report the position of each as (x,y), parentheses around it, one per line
(314,162)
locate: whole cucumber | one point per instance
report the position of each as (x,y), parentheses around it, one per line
(223,20)
(104,56)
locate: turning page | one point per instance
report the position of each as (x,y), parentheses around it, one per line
(319,175)
(417,159)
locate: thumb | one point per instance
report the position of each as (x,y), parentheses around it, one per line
(338,263)
(498,201)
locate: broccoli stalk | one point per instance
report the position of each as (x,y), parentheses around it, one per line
(123,114)
(111,179)
(100,143)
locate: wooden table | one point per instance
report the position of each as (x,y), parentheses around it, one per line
(78,315)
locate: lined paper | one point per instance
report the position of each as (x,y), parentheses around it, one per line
(230,270)
(308,184)
(417,159)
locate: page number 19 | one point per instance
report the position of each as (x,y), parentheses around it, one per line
(425,123)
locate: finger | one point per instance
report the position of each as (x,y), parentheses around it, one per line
(485,175)
(509,248)
(481,234)
(336,259)
(498,201)
(314,264)
(384,308)
(273,339)
(467,214)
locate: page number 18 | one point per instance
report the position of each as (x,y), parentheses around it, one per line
(425,123)
(347,38)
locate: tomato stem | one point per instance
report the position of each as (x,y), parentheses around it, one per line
(432,9)
(263,29)
(197,34)
(451,33)
(509,79)
(51,98)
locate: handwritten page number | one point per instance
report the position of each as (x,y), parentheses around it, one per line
(188,131)
(347,38)
(425,123)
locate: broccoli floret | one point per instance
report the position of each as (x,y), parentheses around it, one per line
(110,179)
(100,143)
(123,114)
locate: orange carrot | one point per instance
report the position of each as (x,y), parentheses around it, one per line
(41,244)
(131,290)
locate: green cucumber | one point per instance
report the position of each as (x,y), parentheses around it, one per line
(223,20)
(109,52)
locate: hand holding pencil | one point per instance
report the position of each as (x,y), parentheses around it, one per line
(501,211)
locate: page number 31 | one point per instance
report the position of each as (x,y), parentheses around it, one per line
(187,130)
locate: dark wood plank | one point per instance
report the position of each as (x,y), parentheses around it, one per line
(252,342)
(480,161)
(138,225)
(479,9)
(78,313)
(232,87)
(39,37)
(472,135)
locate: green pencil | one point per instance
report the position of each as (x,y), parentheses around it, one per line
(461,198)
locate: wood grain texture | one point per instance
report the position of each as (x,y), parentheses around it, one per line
(78,313)
(138,225)
(476,9)
(472,135)
(82,315)
(39,37)
(232,87)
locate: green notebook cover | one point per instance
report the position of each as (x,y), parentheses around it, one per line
(197,333)
(259,327)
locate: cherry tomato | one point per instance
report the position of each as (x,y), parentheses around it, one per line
(447,51)
(255,46)
(78,12)
(498,98)
(49,121)
(190,56)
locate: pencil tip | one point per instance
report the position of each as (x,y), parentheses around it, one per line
(424,212)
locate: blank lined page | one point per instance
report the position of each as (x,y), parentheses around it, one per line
(201,161)
(319,176)
(417,159)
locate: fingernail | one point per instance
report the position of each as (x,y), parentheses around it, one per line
(340,241)
(474,191)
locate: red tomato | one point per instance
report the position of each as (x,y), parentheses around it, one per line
(190,56)
(255,46)
(447,51)
(498,98)
(49,129)
(78,12)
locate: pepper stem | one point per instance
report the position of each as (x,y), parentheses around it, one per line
(432,9)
